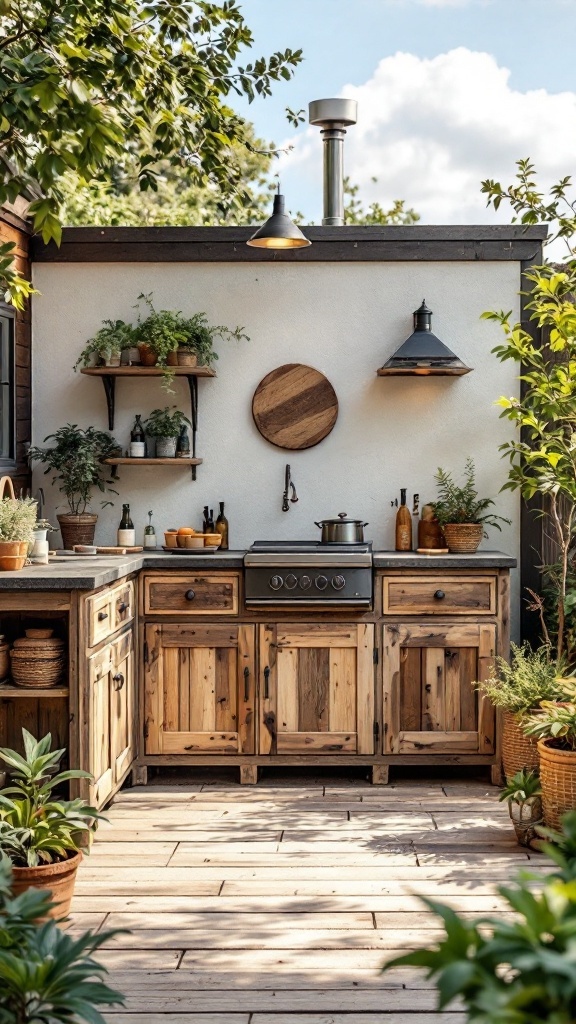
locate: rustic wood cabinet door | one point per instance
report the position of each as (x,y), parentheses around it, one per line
(111,715)
(317,688)
(199,689)
(430,704)
(122,703)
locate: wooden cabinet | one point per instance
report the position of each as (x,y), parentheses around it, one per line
(111,717)
(430,704)
(439,594)
(199,689)
(109,610)
(191,594)
(317,688)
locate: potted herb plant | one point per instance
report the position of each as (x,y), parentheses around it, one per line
(517,689)
(554,726)
(42,835)
(17,521)
(158,335)
(107,344)
(77,459)
(164,426)
(462,515)
(45,973)
(198,346)
(523,794)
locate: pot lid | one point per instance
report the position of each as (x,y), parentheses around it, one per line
(342,518)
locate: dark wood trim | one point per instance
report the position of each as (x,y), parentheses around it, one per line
(15,229)
(345,244)
(531,522)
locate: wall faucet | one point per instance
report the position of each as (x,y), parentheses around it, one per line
(288,486)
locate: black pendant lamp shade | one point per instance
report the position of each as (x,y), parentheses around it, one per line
(423,353)
(278,232)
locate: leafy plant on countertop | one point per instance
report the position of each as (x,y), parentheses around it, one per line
(18,519)
(461,504)
(35,826)
(77,461)
(516,971)
(163,423)
(518,686)
(108,341)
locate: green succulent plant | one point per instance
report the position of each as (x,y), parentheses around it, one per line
(524,785)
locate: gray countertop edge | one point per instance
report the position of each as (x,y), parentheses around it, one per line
(82,576)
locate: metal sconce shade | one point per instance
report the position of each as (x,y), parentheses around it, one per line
(279,232)
(423,354)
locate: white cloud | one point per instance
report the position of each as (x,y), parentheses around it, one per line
(430,130)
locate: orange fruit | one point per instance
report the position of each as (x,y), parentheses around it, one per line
(185,531)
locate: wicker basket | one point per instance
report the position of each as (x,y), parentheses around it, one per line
(38,669)
(518,751)
(463,538)
(558,778)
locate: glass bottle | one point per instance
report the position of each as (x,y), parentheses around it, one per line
(183,443)
(205,520)
(211,522)
(149,533)
(403,525)
(126,531)
(137,439)
(221,527)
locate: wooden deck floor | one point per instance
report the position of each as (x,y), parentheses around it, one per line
(278,904)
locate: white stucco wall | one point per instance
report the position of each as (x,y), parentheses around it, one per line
(345,319)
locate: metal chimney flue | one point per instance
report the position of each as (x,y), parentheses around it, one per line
(333,116)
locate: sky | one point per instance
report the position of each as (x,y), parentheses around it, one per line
(449,92)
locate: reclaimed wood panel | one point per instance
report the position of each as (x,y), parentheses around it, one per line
(411,686)
(468,696)
(295,406)
(342,689)
(215,594)
(317,743)
(433,689)
(313,689)
(365,688)
(463,595)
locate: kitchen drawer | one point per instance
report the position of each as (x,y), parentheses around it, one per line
(439,594)
(109,610)
(191,594)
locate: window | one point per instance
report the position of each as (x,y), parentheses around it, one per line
(7,403)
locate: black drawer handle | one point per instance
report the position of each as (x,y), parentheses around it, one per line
(118,681)
(122,607)
(266,683)
(102,616)
(190,595)
(439,595)
(246,684)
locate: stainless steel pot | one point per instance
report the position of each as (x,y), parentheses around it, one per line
(342,530)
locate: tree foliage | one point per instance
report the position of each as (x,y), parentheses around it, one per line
(87,84)
(356,213)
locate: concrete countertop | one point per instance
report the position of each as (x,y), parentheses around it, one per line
(92,572)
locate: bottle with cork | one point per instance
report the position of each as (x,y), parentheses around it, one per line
(403,524)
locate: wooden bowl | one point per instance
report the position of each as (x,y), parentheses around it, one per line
(212,539)
(39,634)
(171,539)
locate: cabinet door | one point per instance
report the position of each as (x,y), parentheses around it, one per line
(122,706)
(317,688)
(430,703)
(100,758)
(199,689)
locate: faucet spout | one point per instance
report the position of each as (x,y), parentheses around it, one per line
(288,486)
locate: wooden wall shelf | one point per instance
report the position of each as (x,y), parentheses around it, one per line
(153,462)
(108,375)
(31,692)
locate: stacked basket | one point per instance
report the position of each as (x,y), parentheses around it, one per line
(38,659)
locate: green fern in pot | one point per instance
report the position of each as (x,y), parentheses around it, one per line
(462,514)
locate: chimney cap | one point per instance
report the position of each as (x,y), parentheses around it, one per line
(333,111)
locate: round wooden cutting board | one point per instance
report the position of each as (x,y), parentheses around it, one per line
(295,406)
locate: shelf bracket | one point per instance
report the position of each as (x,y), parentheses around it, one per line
(193,385)
(109,383)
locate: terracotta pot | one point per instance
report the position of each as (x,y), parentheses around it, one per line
(13,554)
(186,357)
(172,358)
(518,751)
(558,779)
(147,355)
(58,878)
(77,529)
(463,538)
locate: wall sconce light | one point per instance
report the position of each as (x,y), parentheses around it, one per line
(423,353)
(279,232)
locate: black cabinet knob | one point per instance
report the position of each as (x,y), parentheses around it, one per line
(118,681)
(439,595)
(190,595)
(102,616)
(122,607)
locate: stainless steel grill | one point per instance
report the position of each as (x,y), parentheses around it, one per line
(308,573)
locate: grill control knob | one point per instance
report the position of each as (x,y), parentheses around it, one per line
(290,581)
(338,582)
(276,582)
(305,582)
(321,582)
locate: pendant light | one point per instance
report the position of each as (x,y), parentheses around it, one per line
(423,353)
(279,232)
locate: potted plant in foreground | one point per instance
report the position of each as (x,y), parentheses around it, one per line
(17,521)
(45,973)
(523,794)
(555,728)
(164,426)
(77,460)
(107,344)
(462,515)
(42,835)
(517,689)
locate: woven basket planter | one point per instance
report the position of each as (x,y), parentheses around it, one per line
(463,538)
(525,818)
(518,751)
(77,529)
(39,667)
(558,779)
